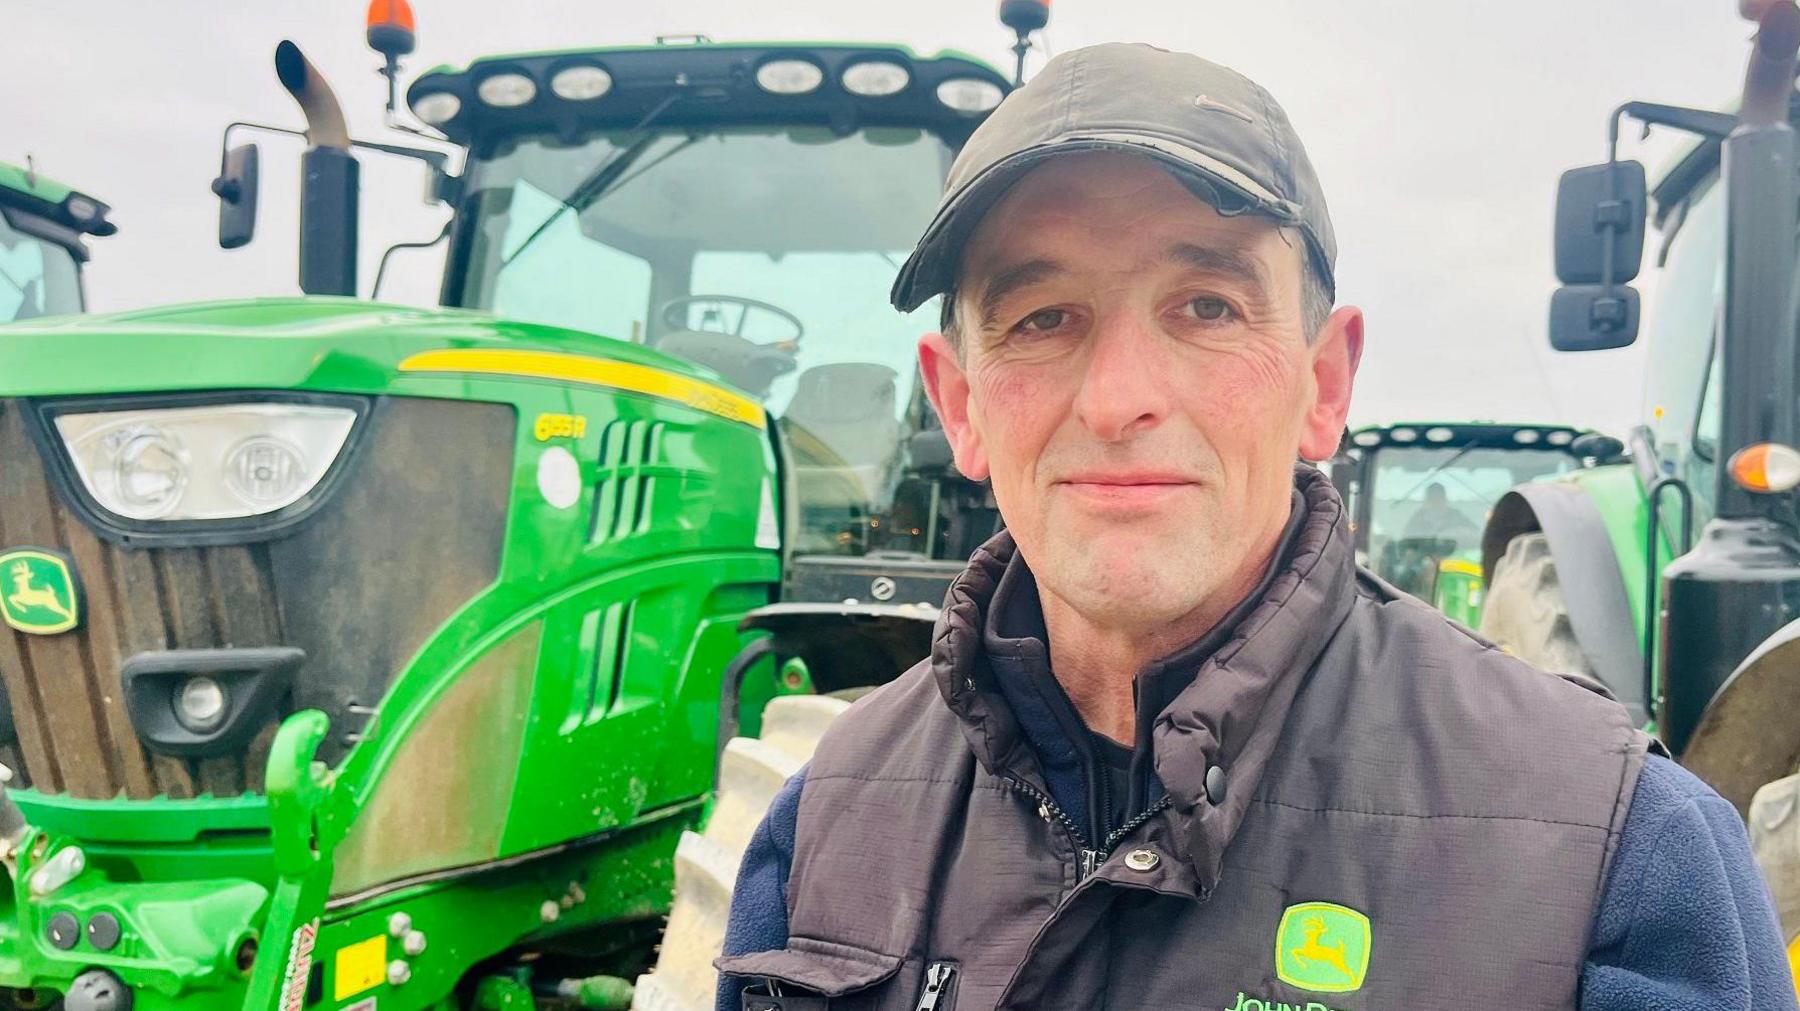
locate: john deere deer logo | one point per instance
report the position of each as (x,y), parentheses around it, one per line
(38,592)
(1312,951)
(1322,947)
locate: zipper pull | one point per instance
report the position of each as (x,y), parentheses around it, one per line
(937,980)
(1090,862)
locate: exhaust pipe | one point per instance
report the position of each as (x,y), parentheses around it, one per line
(1760,161)
(329,180)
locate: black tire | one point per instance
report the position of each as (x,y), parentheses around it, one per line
(1525,613)
(706,865)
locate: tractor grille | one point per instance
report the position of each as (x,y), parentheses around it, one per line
(411,532)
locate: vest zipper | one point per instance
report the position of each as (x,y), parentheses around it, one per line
(937,980)
(1129,827)
(1090,859)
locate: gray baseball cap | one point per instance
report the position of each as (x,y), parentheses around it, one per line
(1216,130)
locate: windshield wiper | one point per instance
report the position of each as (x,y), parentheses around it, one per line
(601,179)
(1439,469)
(9,279)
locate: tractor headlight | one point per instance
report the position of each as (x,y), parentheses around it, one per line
(224,461)
(582,82)
(506,90)
(970,95)
(436,108)
(789,77)
(875,78)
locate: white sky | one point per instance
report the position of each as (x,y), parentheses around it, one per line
(1438,129)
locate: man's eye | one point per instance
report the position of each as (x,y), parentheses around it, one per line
(1044,319)
(1209,310)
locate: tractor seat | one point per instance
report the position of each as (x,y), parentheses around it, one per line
(844,434)
(749,366)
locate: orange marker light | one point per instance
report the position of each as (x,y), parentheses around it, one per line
(391,30)
(1767,468)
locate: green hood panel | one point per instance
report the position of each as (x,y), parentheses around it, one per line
(335,344)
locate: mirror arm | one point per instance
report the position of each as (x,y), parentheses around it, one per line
(1699,122)
(1609,312)
(225,139)
(226,191)
(438,160)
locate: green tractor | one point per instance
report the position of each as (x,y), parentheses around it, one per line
(1420,493)
(42,225)
(361,655)
(1674,577)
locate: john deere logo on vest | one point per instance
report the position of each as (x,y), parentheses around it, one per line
(38,593)
(1322,947)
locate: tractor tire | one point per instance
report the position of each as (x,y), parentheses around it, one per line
(1775,840)
(1525,612)
(706,865)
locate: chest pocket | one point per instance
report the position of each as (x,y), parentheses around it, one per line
(811,975)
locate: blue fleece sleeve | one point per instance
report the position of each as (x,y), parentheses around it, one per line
(1685,922)
(758,920)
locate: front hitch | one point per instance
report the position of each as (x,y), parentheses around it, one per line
(298,785)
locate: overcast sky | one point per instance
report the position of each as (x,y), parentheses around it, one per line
(1438,130)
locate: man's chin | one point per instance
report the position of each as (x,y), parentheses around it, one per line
(1133,576)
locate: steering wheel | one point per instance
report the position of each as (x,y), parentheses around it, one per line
(675,317)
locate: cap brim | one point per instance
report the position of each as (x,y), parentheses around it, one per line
(931,269)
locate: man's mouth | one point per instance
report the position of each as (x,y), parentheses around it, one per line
(1127,478)
(1125,489)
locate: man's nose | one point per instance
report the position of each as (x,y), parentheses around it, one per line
(1124,389)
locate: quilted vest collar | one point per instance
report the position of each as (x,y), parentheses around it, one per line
(1234,709)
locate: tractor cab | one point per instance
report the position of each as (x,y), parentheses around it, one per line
(1420,495)
(742,207)
(42,226)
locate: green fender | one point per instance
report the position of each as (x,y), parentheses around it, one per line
(1597,522)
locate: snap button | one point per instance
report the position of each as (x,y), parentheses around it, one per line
(1142,860)
(1215,784)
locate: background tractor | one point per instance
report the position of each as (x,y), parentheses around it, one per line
(362,655)
(1419,495)
(1675,577)
(42,227)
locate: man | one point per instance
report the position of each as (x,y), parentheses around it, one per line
(1436,518)
(1171,749)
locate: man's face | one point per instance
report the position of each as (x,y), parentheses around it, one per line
(1135,380)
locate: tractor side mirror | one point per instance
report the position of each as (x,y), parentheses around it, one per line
(236,189)
(1599,447)
(1600,223)
(1593,317)
(1600,220)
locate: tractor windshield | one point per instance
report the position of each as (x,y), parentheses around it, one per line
(764,254)
(37,277)
(1429,503)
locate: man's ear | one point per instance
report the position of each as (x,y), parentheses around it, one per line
(948,387)
(1335,356)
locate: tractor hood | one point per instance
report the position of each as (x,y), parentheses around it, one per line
(325,344)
